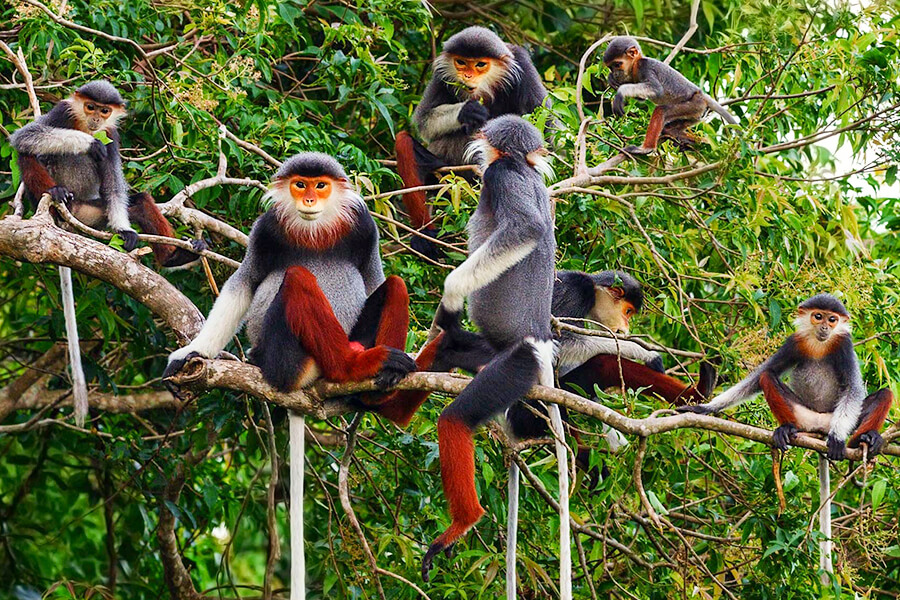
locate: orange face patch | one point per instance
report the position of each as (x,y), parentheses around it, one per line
(310,194)
(94,116)
(824,317)
(471,71)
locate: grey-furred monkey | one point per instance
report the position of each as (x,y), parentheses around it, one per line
(679,102)
(312,288)
(477,76)
(508,280)
(58,154)
(826,393)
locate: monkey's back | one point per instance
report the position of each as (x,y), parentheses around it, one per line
(517,303)
(676,87)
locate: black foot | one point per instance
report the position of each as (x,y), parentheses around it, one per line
(638,150)
(425,246)
(129,239)
(836,448)
(784,435)
(708,375)
(433,550)
(199,245)
(656,363)
(396,366)
(60,194)
(174,367)
(873,440)
(700,409)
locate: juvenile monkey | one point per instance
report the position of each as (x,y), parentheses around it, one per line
(476,77)
(826,394)
(59,155)
(679,103)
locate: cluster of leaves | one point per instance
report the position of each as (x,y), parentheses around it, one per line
(724,256)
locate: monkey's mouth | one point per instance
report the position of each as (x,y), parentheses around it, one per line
(310,215)
(822,335)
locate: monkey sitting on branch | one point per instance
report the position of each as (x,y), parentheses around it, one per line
(679,103)
(826,395)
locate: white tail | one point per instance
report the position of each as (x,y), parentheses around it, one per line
(297,454)
(79,386)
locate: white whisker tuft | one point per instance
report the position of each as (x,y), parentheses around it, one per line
(538,160)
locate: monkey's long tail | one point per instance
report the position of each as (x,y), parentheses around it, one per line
(79,385)
(825,563)
(715,106)
(297,457)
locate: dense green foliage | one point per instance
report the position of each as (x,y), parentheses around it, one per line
(725,256)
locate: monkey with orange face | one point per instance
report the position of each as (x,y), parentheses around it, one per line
(312,288)
(477,77)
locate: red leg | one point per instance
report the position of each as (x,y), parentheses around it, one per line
(400,406)
(875,410)
(603,371)
(35,177)
(780,398)
(393,325)
(323,337)
(654,128)
(415,202)
(142,211)
(457,452)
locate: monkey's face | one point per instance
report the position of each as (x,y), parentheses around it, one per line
(612,309)
(94,116)
(621,68)
(823,326)
(313,196)
(471,71)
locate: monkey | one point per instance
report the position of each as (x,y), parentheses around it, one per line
(826,392)
(313,288)
(679,103)
(508,280)
(59,154)
(476,77)
(611,298)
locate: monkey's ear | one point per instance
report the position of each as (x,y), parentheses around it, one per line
(633,52)
(616,292)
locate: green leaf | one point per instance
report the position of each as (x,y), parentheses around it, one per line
(878,490)
(102,136)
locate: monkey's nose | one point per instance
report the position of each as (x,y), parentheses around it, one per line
(309,201)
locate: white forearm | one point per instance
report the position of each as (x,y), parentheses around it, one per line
(223,321)
(575,349)
(439,121)
(845,418)
(636,90)
(41,139)
(481,268)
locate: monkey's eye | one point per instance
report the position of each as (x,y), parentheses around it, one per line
(460,62)
(104,111)
(832,319)
(817,316)
(629,311)
(321,185)
(481,64)
(301,185)
(90,107)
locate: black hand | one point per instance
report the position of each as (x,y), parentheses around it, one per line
(613,81)
(60,194)
(396,366)
(836,448)
(433,550)
(656,363)
(98,151)
(700,409)
(618,105)
(472,116)
(129,239)
(199,245)
(784,435)
(172,368)
(873,440)
(449,321)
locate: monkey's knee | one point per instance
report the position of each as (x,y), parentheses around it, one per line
(775,394)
